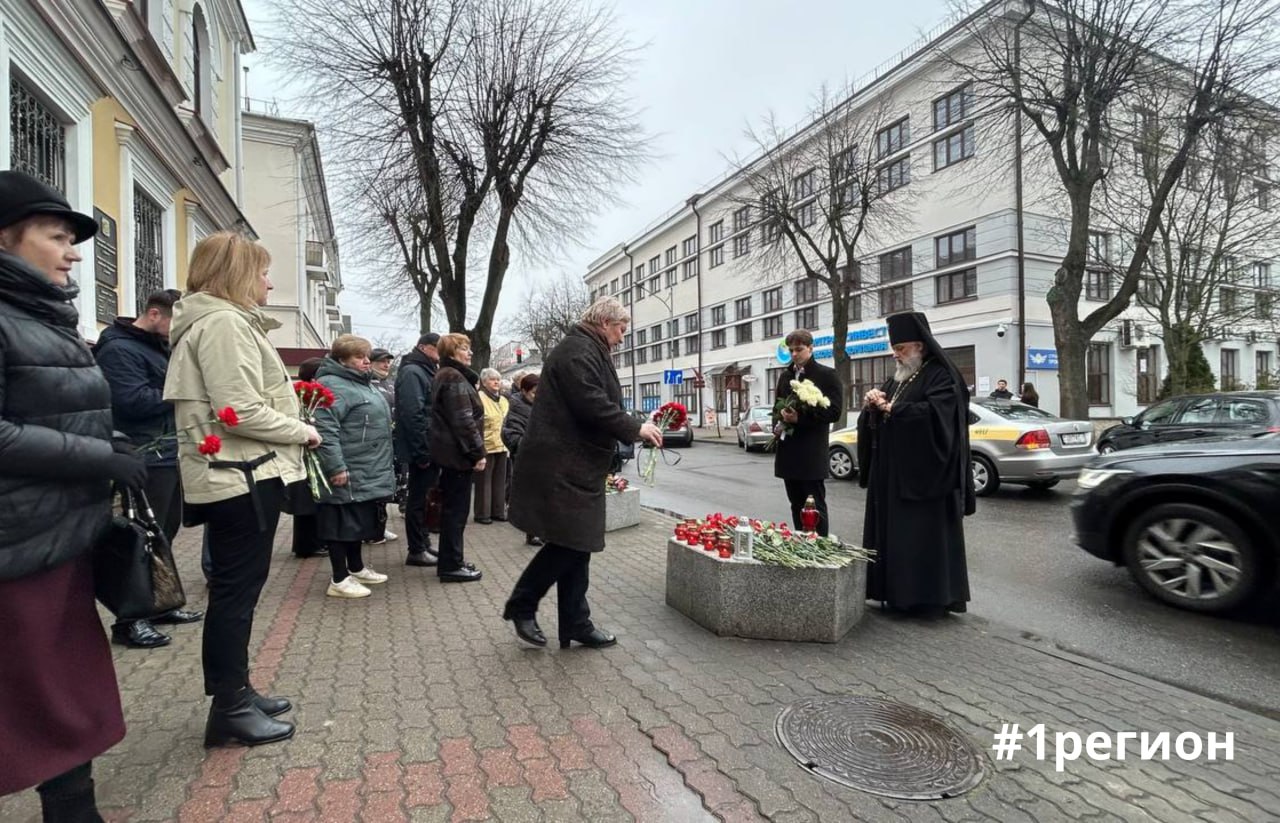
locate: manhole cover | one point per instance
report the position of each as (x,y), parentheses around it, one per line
(879,747)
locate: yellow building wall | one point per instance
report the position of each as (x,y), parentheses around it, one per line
(182,200)
(106,162)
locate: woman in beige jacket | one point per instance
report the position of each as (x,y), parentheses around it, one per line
(221,357)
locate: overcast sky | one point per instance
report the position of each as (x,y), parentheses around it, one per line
(706,68)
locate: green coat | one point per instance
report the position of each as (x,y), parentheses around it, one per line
(357,436)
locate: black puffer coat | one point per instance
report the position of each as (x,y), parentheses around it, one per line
(571,440)
(456,432)
(517,421)
(55,427)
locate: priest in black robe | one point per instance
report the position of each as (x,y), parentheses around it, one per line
(913,460)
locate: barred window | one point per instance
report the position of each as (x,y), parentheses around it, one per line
(38,141)
(148,247)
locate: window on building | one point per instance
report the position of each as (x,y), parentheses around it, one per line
(1264,305)
(807,214)
(148,247)
(1229,370)
(869,373)
(806,290)
(690,323)
(742,333)
(895,265)
(626,340)
(673,328)
(742,308)
(1097,282)
(691,344)
(641,337)
(1228,301)
(741,231)
(1149,291)
(686,394)
(1148,375)
(957,247)
(802,185)
(202,65)
(717,315)
(617,361)
(855,309)
(771,379)
(673,349)
(1264,370)
(626,280)
(640,292)
(649,395)
(959,285)
(613,286)
(807,318)
(894,175)
(770,221)
(895,299)
(953,108)
(628,402)
(655,263)
(655,332)
(894,138)
(655,353)
(773,299)
(949,150)
(671,277)
(642,356)
(773,326)
(655,283)
(626,297)
(1262,196)
(717,241)
(1262,275)
(1098,374)
(626,359)
(37,140)
(718,339)
(671,256)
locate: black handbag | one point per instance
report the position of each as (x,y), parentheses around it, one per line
(134,575)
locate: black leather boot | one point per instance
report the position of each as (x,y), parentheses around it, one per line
(271,706)
(530,632)
(236,718)
(594,639)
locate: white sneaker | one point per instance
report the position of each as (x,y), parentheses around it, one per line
(390,535)
(347,588)
(369,576)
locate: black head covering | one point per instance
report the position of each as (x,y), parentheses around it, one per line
(913,327)
(22,196)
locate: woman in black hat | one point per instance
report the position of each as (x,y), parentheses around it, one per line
(59,703)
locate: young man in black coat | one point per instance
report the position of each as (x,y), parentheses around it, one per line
(134,356)
(414,391)
(801,431)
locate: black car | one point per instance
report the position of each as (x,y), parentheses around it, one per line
(1196,417)
(1194,522)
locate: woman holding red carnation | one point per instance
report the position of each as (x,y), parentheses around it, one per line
(222,358)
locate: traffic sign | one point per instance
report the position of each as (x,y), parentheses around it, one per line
(673,377)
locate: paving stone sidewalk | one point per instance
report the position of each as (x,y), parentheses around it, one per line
(417,704)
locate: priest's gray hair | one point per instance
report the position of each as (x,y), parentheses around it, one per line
(488,373)
(606,310)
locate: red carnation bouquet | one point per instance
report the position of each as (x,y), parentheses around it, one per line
(209,445)
(668,417)
(313,395)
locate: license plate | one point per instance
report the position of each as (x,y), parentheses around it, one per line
(1078,439)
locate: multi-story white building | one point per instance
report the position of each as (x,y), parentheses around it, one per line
(702,306)
(287,200)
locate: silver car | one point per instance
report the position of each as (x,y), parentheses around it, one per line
(755,428)
(1009,442)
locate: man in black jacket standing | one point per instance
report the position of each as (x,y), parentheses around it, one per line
(412,426)
(801,430)
(134,356)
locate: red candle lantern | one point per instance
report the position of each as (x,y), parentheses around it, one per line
(809,515)
(709,540)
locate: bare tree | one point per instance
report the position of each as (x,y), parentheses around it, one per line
(1071,69)
(506,116)
(1205,272)
(818,197)
(549,310)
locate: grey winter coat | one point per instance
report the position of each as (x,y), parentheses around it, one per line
(558,491)
(356,432)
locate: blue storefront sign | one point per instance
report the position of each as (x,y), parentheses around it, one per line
(1042,359)
(858,342)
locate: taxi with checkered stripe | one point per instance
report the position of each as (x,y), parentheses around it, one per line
(1009,442)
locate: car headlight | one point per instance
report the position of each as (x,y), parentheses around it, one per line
(1093,478)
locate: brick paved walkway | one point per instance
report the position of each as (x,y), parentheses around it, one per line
(417,704)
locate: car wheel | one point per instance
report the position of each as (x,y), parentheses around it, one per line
(1043,485)
(1192,557)
(1106,448)
(840,464)
(985,478)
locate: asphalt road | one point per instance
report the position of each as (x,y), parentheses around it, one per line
(1026,574)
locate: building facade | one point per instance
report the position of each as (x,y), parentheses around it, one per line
(287,200)
(975,251)
(131,111)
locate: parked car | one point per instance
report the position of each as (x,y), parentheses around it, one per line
(1193,522)
(682,436)
(755,429)
(1009,442)
(1196,417)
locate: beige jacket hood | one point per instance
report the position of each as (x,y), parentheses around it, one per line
(221,357)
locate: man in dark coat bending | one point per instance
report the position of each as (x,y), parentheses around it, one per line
(558,488)
(801,458)
(913,460)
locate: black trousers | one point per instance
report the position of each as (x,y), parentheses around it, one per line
(798,490)
(69,797)
(240,552)
(421,480)
(569,570)
(455,503)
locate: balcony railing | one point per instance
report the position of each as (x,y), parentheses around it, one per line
(315,254)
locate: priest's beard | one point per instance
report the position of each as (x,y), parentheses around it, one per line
(907,366)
